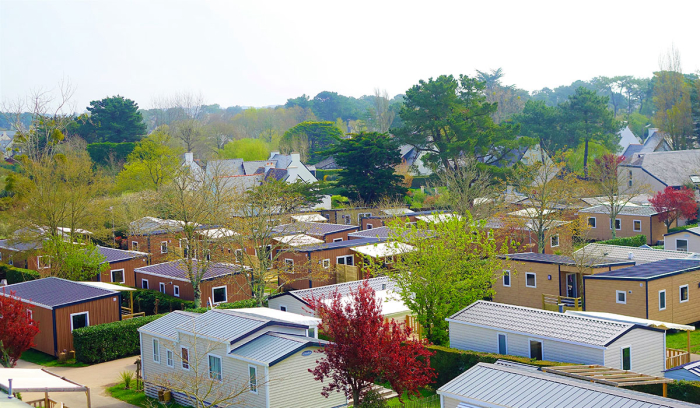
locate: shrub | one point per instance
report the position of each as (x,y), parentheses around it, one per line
(241,304)
(16,275)
(635,241)
(145,301)
(109,341)
(683,228)
(103,153)
(688,391)
(127,377)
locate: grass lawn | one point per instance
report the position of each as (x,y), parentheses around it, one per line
(46,360)
(137,398)
(679,341)
(417,402)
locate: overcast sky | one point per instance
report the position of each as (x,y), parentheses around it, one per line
(257,53)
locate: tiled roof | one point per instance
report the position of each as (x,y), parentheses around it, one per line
(313,228)
(651,270)
(335,245)
(178,270)
(276,174)
(604,252)
(165,326)
(641,210)
(52,292)
(380,283)
(271,347)
(115,255)
(542,323)
(19,246)
(672,168)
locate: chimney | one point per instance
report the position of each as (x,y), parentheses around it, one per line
(296,157)
(272,154)
(189,158)
(652,131)
(561,307)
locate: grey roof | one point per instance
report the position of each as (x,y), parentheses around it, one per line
(178,270)
(166,325)
(693,367)
(153,225)
(14,245)
(313,228)
(513,387)
(276,174)
(604,252)
(327,164)
(228,167)
(52,292)
(542,258)
(335,245)
(537,322)
(640,210)
(380,283)
(283,160)
(651,270)
(250,167)
(672,168)
(383,233)
(116,255)
(272,347)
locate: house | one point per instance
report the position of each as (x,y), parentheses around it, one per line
(656,141)
(683,241)
(325,231)
(410,217)
(121,265)
(543,335)
(627,137)
(660,169)
(265,312)
(666,290)
(632,220)
(518,386)
(221,283)
(618,253)
(268,359)
(543,280)
(413,158)
(520,232)
(25,255)
(7,143)
(60,306)
(155,236)
(686,372)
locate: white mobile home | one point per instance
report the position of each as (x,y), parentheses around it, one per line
(543,335)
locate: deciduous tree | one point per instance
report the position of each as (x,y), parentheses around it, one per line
(246,149)
(310,139)
(76,260)
(152,163)
(673,204)
(17,329)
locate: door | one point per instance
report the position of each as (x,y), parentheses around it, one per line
(571,285)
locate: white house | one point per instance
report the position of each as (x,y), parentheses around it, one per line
(683,241)
(627,137)
(222,352)
(543,335)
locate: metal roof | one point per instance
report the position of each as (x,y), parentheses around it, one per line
(15,245)
(640,210)
(514,387)
(603,252)
(313,228)
(651,270)
(380,283)
(116,255)
(692,367)
(178,270)
(543,323)
(335,245)
(561,260)
(52,292)
(272,347)
(166,325)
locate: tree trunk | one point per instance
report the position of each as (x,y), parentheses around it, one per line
(541,241)
(585,160)
(197,295)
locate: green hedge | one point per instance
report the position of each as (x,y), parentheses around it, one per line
(145,301)
(688,391)
(241,304)
(109,341)
(101,153)
(683,228)
(16,275)
(635,241)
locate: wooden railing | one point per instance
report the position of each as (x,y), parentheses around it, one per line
(416,328)
(128,316)
(675,357)
(45,403)
(551,302)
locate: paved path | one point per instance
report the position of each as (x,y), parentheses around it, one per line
(97,377)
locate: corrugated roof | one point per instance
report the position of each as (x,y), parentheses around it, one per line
(537,257)
(604,252)
(542,323)
(383,233)
(651,270)
(641,210)
(380,283)
(313,228)
(271,347)
(514,387)
(52,292)
(335,245)
(115,255)
(166,325)
(693,367)
(178,270)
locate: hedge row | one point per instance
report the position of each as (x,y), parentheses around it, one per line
(635,241)
(145,301)
(16,275)
(109,341)
(240,304)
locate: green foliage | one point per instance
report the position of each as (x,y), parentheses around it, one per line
(635,241)
(16,275)
(240,304)
(74,261)
(683,228)
(339,201)
(638,124)
(47,360)
(151,164)
(127,378)
(113,119)
(246,149)
(688,391)
(145,301)
(574,158)
(328,175)
(311,138)
(109,341)
(107,153)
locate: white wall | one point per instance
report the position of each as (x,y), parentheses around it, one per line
(693,242)
(292,303)
(647,351)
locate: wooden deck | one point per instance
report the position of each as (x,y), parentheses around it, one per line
(551,302)
(675,357)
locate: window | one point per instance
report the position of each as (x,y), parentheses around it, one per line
(144,283)
(207,254)
(618,224)
(536,350)
(326,263)
(117,275)
(389,260)
(621,297)
(253,375)
(369,226)
(78,320)
(311,333)
(135,245)
(283,308)
(156,351)
(637,225)
(360,216)
(30,315)
(626,358)
(502,344)
(176,291)
(169,358)
(161,287)
(337,239)
(346,219)
(43,262)
(214,367)
(662,299)
(185,358)
(289,264)
(345,260)
(218,294)
(683,295)
(11,262)
(506,278)
(554,240)
(629,182)
(591,222)
(164,247)
(530,280)
(682,245)
(239,256)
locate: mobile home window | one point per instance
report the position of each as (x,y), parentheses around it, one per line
(161,287)
(626,358)
(169,358)
(283,308)
(621,297)
(289,263)
(218,294)
(360,216)
(78,320)
(345,260)
(530,280)
(176,291)
(239,256)
(144,283)
(185,357)
(662,300)
(156,351)
(683,296)
(43,262)
(135,245)
(253,379)
(506,278)
(502,344)
(536,349)
(554,240)
(118,276)
(369,226)
(326,263)
(637,225)
(591,222)
(214,367)
(337,240)
(164,247)
(346,219)
(682,245)
(618,224)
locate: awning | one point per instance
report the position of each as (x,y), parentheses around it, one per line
(107,286)
(299,240)
(36,380)
(434,218)
(384,249)
(309,218)
(634,320)
(280,315)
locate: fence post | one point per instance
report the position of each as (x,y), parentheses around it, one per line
(543,303)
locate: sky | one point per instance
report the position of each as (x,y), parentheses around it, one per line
(259,53)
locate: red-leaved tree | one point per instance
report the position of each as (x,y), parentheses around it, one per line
(17,329)
(673,204)
(365,348)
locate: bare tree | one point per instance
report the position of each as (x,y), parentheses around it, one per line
(382,117)
(184,112)
(467,189)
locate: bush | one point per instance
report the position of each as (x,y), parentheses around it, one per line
(145,301)
(635,241)
(688,391)
(109,341)
(241,304)
(103,153)
(683,228)
(16,275)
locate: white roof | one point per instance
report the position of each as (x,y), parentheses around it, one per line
(309,218)
(390,301)
(397,211)
(529,212)
(217,233)
(107,286)
(595,251)
(280,315)
(299,240)
(35,380)
(634,320)
(384,249)
(78,230)
(437,217)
